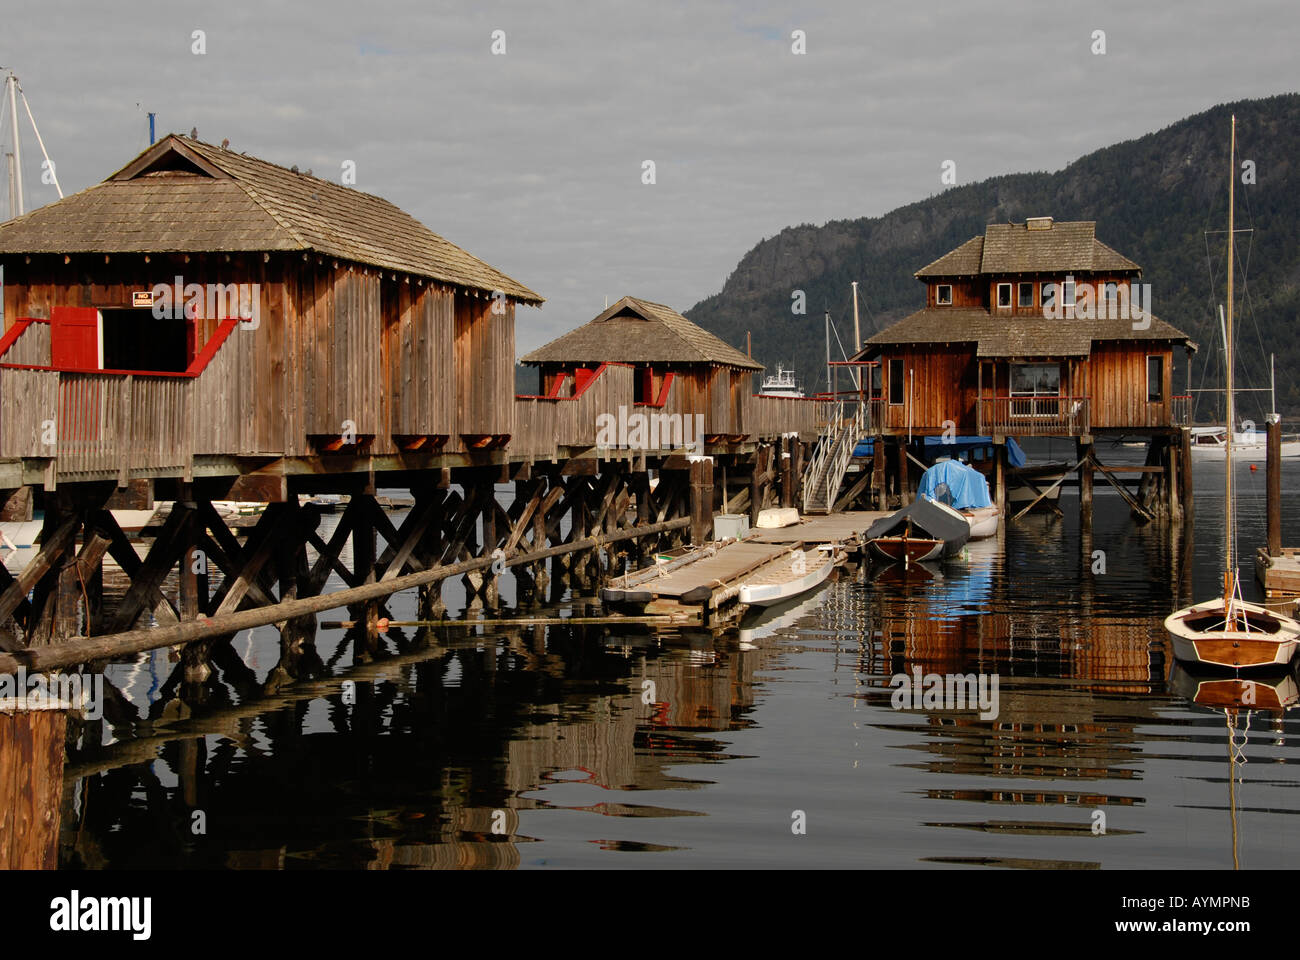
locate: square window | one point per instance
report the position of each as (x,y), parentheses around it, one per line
(1004,294)
(1025,294)
(943,294)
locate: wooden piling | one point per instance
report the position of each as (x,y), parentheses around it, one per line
(1273,469)
(701,500)
(1083,449)
(31,786)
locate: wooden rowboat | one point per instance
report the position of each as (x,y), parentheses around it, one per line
(797,572)
(906,549)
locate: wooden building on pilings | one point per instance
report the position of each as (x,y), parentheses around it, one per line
(204,325)
(1034,329)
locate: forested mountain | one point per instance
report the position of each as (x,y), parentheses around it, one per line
(1153,199)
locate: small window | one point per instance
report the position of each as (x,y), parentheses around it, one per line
(943,294)
(1067,294)
(895,381)
(1004,294)
(875,382)
(1155,379)
(1025,295)
(1111,292)
(1048,293)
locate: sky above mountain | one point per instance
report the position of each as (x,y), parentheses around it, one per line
(534,159)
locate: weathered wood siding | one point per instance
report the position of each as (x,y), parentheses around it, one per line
(419,339)
(484,360)
(1117,383)
(942,382)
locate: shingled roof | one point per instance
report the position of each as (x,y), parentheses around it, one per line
(638,331)
(186,196)
(1014,248)
(1020,336)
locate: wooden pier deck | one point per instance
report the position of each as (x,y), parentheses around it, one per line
(843,528)
(1280,575)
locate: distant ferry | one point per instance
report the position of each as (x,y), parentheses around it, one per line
(780,384)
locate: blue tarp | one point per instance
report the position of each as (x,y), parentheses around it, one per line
(966,486)
(955,446)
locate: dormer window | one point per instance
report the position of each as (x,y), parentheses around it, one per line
(943,294)
(1025,295)
(1004,295)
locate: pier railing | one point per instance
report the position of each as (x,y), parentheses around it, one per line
(101,423)
(1034,416)
(1180,410)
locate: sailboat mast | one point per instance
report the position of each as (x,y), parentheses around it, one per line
(1229,573)
(12,83)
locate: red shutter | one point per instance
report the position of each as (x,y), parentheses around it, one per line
(74,338)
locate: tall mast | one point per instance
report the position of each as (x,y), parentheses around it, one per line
(12,83)
(1230,572)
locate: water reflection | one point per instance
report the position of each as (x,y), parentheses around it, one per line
(584,747)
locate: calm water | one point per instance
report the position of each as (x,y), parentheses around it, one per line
(548,736)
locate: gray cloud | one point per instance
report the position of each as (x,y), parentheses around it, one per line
(532,161)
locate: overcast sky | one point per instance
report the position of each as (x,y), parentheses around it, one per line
(532,160)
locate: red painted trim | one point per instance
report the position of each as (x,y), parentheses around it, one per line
(579,391)
(210,348)
(13,333)
(197,367)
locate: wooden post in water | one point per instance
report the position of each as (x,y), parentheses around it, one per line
(1185,470)
(1000,474)
(31,784)
(787,472)
(878,471)
(1083,450)
(701,500)
(904,482)
(1274,485)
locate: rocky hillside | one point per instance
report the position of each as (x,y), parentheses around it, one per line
(1153,199)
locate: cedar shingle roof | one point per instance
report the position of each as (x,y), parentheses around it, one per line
(182,195)
(638,331)
(1013,336)
(1014,248)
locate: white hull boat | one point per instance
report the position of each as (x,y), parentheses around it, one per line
(983,521)
(797,572)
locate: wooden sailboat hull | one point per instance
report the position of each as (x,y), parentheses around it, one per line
(1198,636)
(906,549)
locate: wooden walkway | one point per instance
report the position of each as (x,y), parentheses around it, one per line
(1280,575)
(845,528)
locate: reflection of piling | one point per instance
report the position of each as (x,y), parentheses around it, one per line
(31,786)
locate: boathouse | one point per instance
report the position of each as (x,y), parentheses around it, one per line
(672,364)
(205,326)
(1032,329)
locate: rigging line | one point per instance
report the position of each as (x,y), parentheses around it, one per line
(41,143)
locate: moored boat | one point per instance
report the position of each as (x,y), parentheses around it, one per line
(1226,631)
(962,487)
(784,579)
(924,530)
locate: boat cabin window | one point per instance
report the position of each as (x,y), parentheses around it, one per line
(1025,295)
(1155,379)
(895,381)
(943,294)
(1047,292)
(1004,294)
